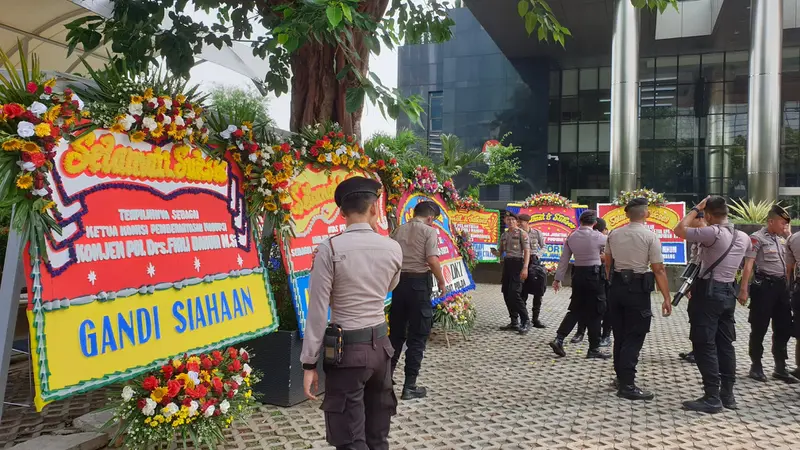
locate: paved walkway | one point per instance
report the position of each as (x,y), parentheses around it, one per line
(502,390)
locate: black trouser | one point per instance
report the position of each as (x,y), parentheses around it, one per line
(587,305)
(512,290)
(535,285)
(410,321)
(796,315)
(769,301)
(630,320)
(359,400)
(606,326)
(712,332)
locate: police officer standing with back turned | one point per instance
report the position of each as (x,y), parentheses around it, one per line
(514,245)
(352,273)
(631,251)
(792,258)
(769,294)
(713,302)
(536,284)
(588,303)
(411,314)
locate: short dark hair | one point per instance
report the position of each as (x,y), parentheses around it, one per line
(600,225)
(357,203)
(427,209)
(717,206)
(637,212)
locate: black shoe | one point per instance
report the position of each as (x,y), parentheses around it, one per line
(784,376)
(538,324)
(690,359)
(728,399)
(631,392)
(576,339)
(605,342)
(510,327)
(795,373)
(558,347)
(706,404)
(597,354)
(412,392)
(524,328)
(757,373)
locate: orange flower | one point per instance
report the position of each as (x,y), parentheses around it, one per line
(30,147)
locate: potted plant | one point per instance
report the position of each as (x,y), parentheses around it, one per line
(749,216)
(497,183)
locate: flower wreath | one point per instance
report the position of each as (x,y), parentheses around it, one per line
(546,199)
(653,197)
(465,248)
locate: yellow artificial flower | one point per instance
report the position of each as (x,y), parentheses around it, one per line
(180,134)
(161,109)
(25,181)
(48,206)
(31,147)
(137,136)
(248,124)
(148,93)
(70,120)
(248,394)
(180,98)
(158,394)
(286,219)
(351,163)
(173,128)
(321,158)
(284,197)
(237,157)
(158,132)
(51,83)
(42,130)
(327,145)
(12,144)
(287,160)
(187,382)
(136,99)
(248,169)
(335,159)
(363,163)
(344,159)
(85,114)
(281,177)
(270,205)
(117,128)
(52,114)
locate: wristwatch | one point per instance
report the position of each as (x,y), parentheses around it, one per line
(695,210)
(307,366)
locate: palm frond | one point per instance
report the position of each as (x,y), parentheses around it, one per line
(750,211)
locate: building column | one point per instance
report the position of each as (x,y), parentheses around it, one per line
(719,161)
(624,158)
(765,108)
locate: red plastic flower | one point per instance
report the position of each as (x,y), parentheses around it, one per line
(287,206)
(199,391)
(150,383)
(141,403)
(38,159)
(278,166)
(217,385)
(381,164)
(206,362)
(285,147)
(235,366)
(193,366)
(314,152)
(13,110)
(238,133)
(217,355)
(173,388)
(167,370)
(32,87)
(393,161)
(48,90)
(232,352)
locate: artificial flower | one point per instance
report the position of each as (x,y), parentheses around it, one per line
(78,101)
(37,109)
(13,110)
(179,121)
(42,130)
(209,411)
(224,406)
(32,87)
(149,123)
(35,158)
(12,145)
(47,206)
(25,129)
(128,121)
(136,99)
(127,393)
(149,408)
(31,147)
(193,406)
(158,394)
(170,410)
(117,128)
(226,134)
(25,181)
(158,131)
(137,136)
(136,109)
(52,114)
(150,383)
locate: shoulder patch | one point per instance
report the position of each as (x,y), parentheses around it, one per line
(754,240)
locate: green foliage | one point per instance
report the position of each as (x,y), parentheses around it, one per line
(503,165)
(5,223)
(405,148)
(473,191)
(749,212)
(239,105)
(454,157)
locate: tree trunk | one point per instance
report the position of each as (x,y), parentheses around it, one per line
(317,96)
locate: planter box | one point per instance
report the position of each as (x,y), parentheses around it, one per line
(277,355)
(749,228)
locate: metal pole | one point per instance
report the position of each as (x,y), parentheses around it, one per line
(624,158)
(764,118)
(10,289)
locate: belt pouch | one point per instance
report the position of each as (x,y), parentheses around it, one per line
(649,282)
(626,276)
(333,345)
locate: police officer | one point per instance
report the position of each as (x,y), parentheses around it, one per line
(792,256)
(694,258)
(536,284)
(769,294)
(605,335)
(588,301)
(631,250)
(411,314)
(352,273)
(514,245)
(713,302)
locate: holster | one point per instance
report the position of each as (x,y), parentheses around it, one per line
(333,345)
(795,288)
(626,276)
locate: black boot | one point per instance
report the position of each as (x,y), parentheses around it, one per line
(576,339)
(510,327)
(538,324)
(726,395)
(595,353)
(605,341)
(558,346)
(535,314)
(708,404)
(757,372)
(525,328)
(412,392)
(631,392)
(782,374)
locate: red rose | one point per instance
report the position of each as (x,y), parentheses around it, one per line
(150,383)
(340,135)
(187,402)
(332,134)
(393,161)
(278,166)
(232,352)
(217,355)
(141,403)
(193,366)
(234,385)
(160,118)
(48,90)
(238,133)
(13,110)
(199,391)
(235,366)
(167,370)
(217,412)
(245,356)
(230,394)
(67,91)
(173,387)
(381,164)
(285,147)
(349,138)
(217,384)
(49,146)
(38,159)
(287,206)
(319,143)
(206,362)
(32,87)
(56,132)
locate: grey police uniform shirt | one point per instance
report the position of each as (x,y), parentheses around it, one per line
(769,252)
(514,242)
(367,268)
(418,241)
(536,241)
(586,244)
(714,240)
(793,251)
(634,247)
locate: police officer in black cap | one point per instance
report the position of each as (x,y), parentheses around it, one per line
(536,284)
(517,252)
(351,275)
(769,294)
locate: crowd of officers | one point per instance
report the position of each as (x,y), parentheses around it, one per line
(613,276)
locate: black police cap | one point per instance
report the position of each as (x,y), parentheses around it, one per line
(511,214)
(781,212)
(524,217)
(588,216)
(356,185)
(636,202)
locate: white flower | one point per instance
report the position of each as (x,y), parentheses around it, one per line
(37,109)
(209,411)
(44,97)
(224,406)
(136,109)
(25,129)
(39,192)
(149,123)
(127,393)
(195,377)
(245,129)
(199,122)
(167,102)
(153,102)
(149,407)
(329,157)
(341,150)
(193,406)
(75,98)
(238,379)
(179,121)
(167,120)
(27,166)
(190,114)
(247,369)
(170,409)
(253,157)
(128,121)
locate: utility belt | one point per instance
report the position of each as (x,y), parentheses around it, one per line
(586,270)
(415,275)
(513,259)
(646,282)
(762,278)
(336,339)
(707,285)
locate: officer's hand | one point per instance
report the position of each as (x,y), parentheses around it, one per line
(523,274)
(666,307)
(310,383)
(556,286)
(742,297)
(702,205)
(495,252)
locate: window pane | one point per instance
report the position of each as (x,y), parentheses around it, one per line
(666,69)
(688,68)
(569,138)
(791,60)
(552,138)
(588,79)
(736,97)
(713,64)
(604,137)
(735,129)
(587,137)
(591,108)
(570,109)
(686,99)
(555,83)
(736,65)
(569,80)
(647,70)
(665,128)
(605,78)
